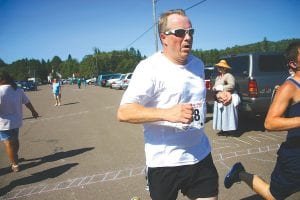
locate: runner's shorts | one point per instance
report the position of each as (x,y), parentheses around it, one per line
(285,179)
(12,134)
(195,181)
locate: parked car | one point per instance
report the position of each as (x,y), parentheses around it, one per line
(117,84)
(112,79)
(36,81)
(27,85)
(91,81)
(102,79)
(208,71)
(126,81)
(256,75)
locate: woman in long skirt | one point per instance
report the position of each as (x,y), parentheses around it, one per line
(225,118)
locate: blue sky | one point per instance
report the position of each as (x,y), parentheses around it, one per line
(42,29)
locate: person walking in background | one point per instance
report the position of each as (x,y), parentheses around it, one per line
(84,81)
(79,82)
(225,118)
(283,114)
(56,89)
(11,116)
(167,95)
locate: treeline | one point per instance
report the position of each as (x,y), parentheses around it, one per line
(119,61)
(90,66)
(210,57)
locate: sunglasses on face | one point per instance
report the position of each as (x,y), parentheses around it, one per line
(181,32)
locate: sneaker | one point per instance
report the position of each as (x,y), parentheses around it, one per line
(15,168)
(233,175)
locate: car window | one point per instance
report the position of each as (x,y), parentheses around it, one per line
(123,76)
(239,65)
(272,63)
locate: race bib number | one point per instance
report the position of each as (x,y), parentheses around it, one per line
(199,113)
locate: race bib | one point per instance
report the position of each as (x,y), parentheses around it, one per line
(199,113)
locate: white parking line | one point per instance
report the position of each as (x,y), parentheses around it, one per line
(75,182)
(125,173)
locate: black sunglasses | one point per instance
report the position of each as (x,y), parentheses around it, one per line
(181,32)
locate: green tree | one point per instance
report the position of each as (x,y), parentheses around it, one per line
(88,67)
(69,67)
(2,63)
(55,63)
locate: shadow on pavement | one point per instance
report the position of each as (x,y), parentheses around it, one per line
(37,177)
(67,104)
(49,158)
(253,197)
(250,124)
(246,125)
(30,117)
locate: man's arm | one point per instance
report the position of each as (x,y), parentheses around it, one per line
(31,108)
(136,113)
(275,119)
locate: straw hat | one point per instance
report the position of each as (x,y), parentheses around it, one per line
(223,64)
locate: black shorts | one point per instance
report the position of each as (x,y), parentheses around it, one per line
(195,181)
(285,179)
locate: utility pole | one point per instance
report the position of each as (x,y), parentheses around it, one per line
(155,24)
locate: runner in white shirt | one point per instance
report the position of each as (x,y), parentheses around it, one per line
(167,94)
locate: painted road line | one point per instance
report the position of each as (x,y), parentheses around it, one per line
(121,174)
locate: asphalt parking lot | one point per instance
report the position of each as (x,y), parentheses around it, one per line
(80,151)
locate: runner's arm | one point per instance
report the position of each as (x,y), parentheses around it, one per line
(275,119)
(136,113)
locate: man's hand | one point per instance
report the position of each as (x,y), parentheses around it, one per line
(34,114)
(224,97)
(181,113)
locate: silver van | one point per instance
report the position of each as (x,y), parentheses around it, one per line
(256,75)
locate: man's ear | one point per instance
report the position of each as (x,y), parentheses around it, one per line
(292,64)
(162,38)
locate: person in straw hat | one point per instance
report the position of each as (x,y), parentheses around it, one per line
(225,117)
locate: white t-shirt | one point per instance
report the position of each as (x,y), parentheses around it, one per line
(11,115)
(158,82)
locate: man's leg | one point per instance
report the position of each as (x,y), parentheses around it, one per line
(56,100)
(238,174)
(11,148)
(59,99)
(261,187)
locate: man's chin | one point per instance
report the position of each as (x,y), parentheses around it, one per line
(185,52)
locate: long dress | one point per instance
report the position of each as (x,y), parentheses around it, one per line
(225,118)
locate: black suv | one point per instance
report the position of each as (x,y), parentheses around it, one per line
(256,75)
